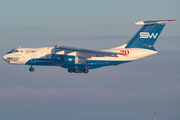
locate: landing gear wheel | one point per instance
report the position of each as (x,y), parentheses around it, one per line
(31,69)
(77,71)
(70,70)
(85,71)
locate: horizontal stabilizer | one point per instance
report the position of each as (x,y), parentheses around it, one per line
(153,22)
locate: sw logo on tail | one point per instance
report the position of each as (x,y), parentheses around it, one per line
(79,60)
(147,35)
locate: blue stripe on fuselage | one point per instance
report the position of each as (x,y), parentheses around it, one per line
(43,62)
(92,64)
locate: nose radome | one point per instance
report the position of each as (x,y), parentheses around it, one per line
(5,57)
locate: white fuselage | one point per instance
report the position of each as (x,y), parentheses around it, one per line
(80,60)
(23,55)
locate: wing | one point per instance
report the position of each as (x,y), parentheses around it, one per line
(84,52)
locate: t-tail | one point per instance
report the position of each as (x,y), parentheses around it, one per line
(148,34)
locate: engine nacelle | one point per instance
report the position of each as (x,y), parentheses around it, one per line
(57,59)
(73,60)
(66,59)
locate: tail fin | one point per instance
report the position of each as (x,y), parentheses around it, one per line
(147,35)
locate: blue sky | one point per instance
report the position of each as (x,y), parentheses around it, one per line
(86,13)
(128,91)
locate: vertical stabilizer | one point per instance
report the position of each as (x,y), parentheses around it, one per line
(147,35)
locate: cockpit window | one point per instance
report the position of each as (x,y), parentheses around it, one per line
(16,50)
(12,51)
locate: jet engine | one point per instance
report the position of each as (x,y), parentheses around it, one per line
(74,60)
(66,59)
(57,59)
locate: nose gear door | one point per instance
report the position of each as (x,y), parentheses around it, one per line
(33,58)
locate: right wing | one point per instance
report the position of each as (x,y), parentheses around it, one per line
(82,51)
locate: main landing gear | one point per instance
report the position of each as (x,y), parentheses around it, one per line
(31,69)
(78,71)
(70,70)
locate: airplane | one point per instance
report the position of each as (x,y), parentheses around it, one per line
(79,60)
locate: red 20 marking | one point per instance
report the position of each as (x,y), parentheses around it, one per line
(124,52)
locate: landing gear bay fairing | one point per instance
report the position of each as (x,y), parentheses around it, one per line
(78,60)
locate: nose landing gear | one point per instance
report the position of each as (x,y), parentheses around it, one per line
(31,69)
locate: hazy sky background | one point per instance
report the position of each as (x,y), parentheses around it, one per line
(130,91)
